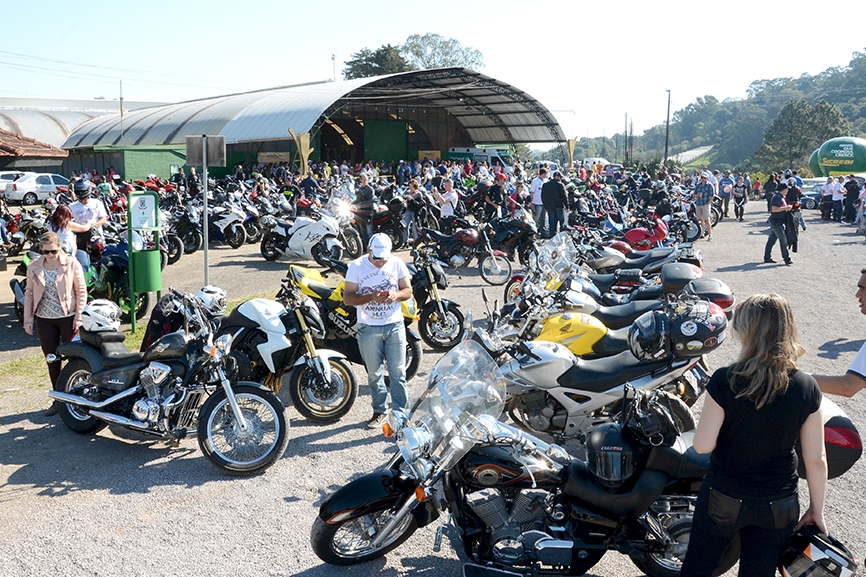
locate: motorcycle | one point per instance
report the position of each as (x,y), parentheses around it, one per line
(226,224)
(341,209)
(181,385)
(305,238)
(440,321)
(457,250)
(520,506)
(515,235)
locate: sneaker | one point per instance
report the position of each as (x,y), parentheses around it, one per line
(377,421)
(789,262)
(710,238)
(770,261)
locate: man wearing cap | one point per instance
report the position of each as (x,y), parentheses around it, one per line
(779,208)
(704,193)
(376,284)
(725,192)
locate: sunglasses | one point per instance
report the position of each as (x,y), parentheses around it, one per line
(55,251)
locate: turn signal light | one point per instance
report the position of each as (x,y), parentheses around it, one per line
(681,389)
(387,430)
(420,494)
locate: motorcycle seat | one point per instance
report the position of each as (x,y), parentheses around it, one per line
(436,235)
(322,290)
(612,343)
(116,354)
(599,375)
(680,461)
(98,339)
(632,502)
(619,316)
(641,258)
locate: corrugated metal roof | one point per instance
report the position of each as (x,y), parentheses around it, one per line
(48,126)
(490,111)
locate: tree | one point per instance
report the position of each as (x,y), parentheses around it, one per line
(798,130)
(384,60)
(436,51)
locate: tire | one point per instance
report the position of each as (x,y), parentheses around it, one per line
(29,199)
(175,248)
(192,240)
(488,266)
(693,230)
(73,379)
(396,237)
(527,254)
(715,216)
(328,540)
(511,291)
(236,235)
(325,403)
(441,334)
(810,204)
(320,252)
(254,231)
(141,308)
(268,247)
(267,436)
(352,243)
(414,353)
(669,564)
(15,249)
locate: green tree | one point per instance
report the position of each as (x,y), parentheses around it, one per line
(797,131)
(386,59)
(436,51)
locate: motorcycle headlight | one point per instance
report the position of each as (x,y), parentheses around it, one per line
(413,442)
(268,221)
(223,344)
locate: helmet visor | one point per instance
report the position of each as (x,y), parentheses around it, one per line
(612,466)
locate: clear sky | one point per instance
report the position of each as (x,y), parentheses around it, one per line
(589,63)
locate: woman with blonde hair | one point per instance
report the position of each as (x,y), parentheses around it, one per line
(53,301)
(754,412)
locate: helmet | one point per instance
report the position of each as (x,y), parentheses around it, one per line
(648,336)
(611,455)
(50,204)
(811,553)
(100,315)
(82,189)
(213,299)
(96,246)
(792,182)
(696,328)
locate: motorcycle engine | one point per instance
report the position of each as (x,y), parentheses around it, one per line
(461,255)
(517,526)
(539,412)
(151,378)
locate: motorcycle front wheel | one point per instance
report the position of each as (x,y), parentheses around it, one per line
(351,542)
(441,332)
(236,235)
(320,401)
(192,240)
(243,452)
(512,290)
(495,270)
(75,380)
(254,231)
(175,248)
(669,563)
(268,247)
(320,253)
(352,243)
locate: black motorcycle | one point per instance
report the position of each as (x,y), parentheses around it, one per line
(515,236)
(440,320)
(181,385)
(520,506)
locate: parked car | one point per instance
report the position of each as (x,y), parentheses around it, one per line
(811,194)
(7,176)
(33,188)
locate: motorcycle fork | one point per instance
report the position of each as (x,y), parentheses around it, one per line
(233,401)
(321,366)
(434,293)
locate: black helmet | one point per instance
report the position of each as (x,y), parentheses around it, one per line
(696,328)
(611,455)
(82,189)
(810,553)
(648,336)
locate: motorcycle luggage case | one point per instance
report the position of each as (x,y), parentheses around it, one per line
(675,276)
(842,441)
(714,290)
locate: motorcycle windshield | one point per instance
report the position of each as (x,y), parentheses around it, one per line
(465,385)
(557,256)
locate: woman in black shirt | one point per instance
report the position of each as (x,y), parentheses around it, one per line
(754,412)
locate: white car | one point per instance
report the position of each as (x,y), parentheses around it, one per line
(33,188)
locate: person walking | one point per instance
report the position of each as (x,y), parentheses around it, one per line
(754,413)
(740,194)
(726,187)
(363,205)
(704,193)
(838,198)
(376,284)
(61,223)
(53,302)
(555,199)
(537,204)
(779,207)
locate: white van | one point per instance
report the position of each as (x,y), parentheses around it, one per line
(492,156)
(590,162)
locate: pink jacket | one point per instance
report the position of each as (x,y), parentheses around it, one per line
(70,287)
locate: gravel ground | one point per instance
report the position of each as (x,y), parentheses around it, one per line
(122,504)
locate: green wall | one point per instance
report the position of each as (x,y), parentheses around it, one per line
(385,140)
(138,163)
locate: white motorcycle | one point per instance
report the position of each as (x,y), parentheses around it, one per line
(305,238)
(226,224)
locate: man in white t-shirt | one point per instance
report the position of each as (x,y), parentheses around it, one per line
(537,205)
(376,284)
(87,210)
(447,200)
(838,197)
(854,380)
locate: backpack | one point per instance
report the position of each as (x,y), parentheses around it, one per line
(460,209)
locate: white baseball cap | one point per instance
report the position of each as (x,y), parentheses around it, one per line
(380,246)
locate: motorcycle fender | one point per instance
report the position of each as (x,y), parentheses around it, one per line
(445,304)
(80,350)
(331,242)
(325,355)
(17,289)
(498,253)
(367,494)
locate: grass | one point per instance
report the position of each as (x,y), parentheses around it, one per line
(33,370)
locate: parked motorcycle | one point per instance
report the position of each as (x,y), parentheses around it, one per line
(520,506)
(515,235)
(181,385)
(226,224)
(457,250)
(305,238)
(440,321)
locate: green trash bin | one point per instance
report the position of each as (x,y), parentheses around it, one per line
(147,275)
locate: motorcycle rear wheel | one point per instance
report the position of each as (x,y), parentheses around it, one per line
(268,248)
(495,270)
(669,564)
(74,379)
(237,452)
(236,235)
(142,304)
(350,542)
(441,334)
(320,252)
(175,248)
(320,402)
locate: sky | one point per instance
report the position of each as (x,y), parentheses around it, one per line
(590,66)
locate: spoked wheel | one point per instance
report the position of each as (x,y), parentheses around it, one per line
(75,380)
(142,304)
(441,332)
(512,290)
(495,270)
(715,216)
(670,562)
(352,241)
(320,401)
(243,451)
(351,542)
(693,230)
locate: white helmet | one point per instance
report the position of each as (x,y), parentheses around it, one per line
(213,299)
(792,182)
(101,315)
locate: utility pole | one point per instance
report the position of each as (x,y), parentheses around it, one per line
(121,112)
(667,131)
(334,65)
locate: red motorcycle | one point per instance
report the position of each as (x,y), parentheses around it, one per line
(457,250)
(650,232)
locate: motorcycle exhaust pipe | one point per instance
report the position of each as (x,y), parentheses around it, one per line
(15,285)
(76,400)
(113,419)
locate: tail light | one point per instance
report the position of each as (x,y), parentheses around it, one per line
(725,302)
(842,437)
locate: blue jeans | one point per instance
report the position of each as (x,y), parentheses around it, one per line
(777,232)
(539,211)
(379,344)
(410,227)
(555,219)
(837,210)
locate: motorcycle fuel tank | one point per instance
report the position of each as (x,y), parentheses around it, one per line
(578,332)
(170,346)
(538,373)
(489,467)
(607,258)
